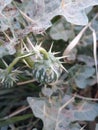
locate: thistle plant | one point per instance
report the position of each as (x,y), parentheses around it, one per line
(46,67)
(8,79)
(9,76)
(21,23)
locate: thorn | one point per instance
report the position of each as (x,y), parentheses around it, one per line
(62,62)
(40,44)
(62,57)
(64,69)
(51,47)
(25,46)
(27,17)
(30,43)
(6,65)
(55,53)
(26,63)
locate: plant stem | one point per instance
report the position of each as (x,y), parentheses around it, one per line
(45,53)
(10,67)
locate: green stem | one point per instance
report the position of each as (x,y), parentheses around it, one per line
(10,67)
(45,53)
(42,50)
(29,62)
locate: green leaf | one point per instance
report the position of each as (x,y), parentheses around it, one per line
(86,112)
(51,115)
(82,75)
(61,30)
(44,111)
(88,60)
(83,83)
(60,114)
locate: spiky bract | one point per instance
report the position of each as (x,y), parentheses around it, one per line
(8,79)
(47,70)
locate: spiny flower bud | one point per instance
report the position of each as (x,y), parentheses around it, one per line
(47,68)
(8,79)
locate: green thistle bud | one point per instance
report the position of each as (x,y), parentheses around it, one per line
(8,79)
(47,68)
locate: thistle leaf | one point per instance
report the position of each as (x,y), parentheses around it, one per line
(56,118)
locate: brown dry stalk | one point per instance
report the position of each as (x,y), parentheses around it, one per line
(16,112)
(25,82)
(86,98)
(75,41)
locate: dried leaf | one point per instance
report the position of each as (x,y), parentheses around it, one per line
(95,49)
(75,41)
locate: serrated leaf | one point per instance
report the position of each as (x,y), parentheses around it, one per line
(78,18)
(82,75)
(86,111)
(44,10)
(59,116)
(74,11)
(51,115)
(82,4)
(83,111)
(42,111)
